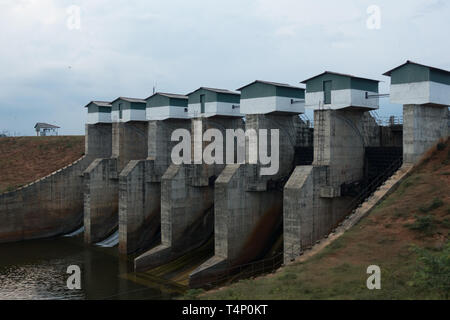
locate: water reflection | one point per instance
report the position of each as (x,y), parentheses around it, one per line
(37,270)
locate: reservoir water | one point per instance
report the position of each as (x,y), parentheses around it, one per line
(38,270)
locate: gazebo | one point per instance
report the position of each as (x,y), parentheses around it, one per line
(45,129)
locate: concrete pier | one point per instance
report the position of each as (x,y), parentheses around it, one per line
(129,142)
(187,199)
(98,140)
(140,189)
(248,206)
(424,92)
(101,191)
(424,126)
(313,204)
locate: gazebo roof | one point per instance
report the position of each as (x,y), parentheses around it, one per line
(43,125)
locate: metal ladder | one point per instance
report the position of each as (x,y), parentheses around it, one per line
(320,133)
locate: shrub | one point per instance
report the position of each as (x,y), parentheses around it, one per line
(437,203)
(425,224)
(441,146)
(193,294)
(446,223)
(433,271)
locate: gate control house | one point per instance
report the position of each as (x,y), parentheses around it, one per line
(99,112)
(162,106)
(332,90)
(209,102)
(264,97)
(128,109)
(414,83)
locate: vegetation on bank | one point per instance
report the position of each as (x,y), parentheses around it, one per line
(26,159)
(407,236)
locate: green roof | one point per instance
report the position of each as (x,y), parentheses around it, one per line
(340,81)
(338,74)
(388,73)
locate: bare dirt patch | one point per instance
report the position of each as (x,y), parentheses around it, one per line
(26,159)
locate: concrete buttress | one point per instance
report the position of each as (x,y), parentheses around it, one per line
(101,191)
(313,204)
(140,189)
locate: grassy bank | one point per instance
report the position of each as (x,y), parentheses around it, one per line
(26,159)
(406,236)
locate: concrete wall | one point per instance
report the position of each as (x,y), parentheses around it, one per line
(289,128)
(53,205)
(98,140)
(267,105)
(140,189)
(160,145)
(186,217)
(139,207)
(98,117)
(420,93)
(129,142)
(216,109)
(244,220)
(341,99)
(101,191)
(339,140)
(308,216)
(423,126)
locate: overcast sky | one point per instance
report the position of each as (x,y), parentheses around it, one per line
(49,69)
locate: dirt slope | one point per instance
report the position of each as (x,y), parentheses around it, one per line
(26,159)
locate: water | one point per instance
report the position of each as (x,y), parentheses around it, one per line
(38,270)
(111,241)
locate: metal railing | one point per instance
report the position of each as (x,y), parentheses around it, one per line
(374,185)
(386,121)
(309,123)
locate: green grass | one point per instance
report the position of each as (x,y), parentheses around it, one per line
(433,271)
(343,281)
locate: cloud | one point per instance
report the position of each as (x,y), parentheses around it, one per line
(123,48)
(286,31)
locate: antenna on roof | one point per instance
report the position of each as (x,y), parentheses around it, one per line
(154,87)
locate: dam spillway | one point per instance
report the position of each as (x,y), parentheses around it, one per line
(128,191)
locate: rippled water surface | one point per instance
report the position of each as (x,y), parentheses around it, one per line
(38,270)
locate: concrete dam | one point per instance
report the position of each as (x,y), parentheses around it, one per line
(216,180)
